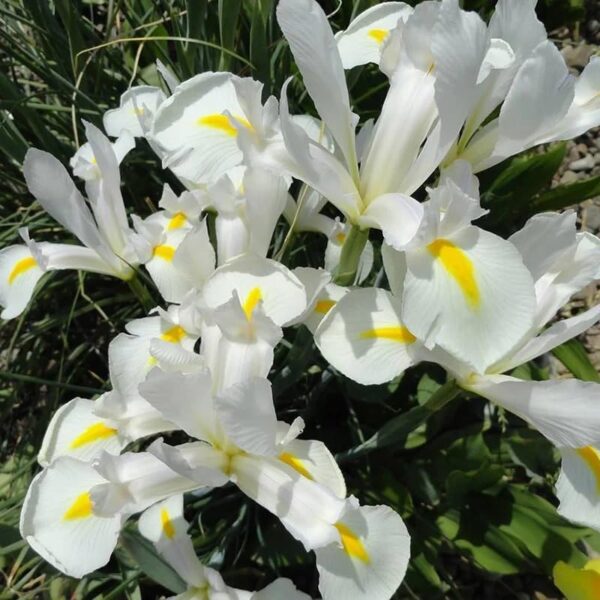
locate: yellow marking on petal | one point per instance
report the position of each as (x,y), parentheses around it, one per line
(577,584)
(138,111)
(340,238)
(95,432)
(295,463)
(378,35)
(459,266)
(177,221)
(173,335)
(222,123)
(397,334)
(351,543)
(324,306)
(251,302)
(165,252)
(80,509)
(21,266)
(591,457)
(167,525)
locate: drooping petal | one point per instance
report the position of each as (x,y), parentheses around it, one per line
(58,519)
(577,584)
(470,294)
(76,431)
(566,411)
(165,526)
(280,588)
(364,337)
(307,509)
(257,280)
(193,132)
(19,274)
(370,557)
(313,460)
(361,42)
(578,486)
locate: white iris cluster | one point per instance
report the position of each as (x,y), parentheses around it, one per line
(463,96)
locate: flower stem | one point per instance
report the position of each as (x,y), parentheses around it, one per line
(351,252)
(141,293)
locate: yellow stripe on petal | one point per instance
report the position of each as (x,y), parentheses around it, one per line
(222,123)
(378,35)
(177,221)
(591,457)
(167,525)
(80,509)
(174,335)
(577,584)
(397,334)
(459,266)
(352,544)
(97,431)
(251,302)
(22,266)
(165,252)
(324,306)
(295,463)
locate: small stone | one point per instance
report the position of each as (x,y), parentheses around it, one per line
(582,148)
(568,177)
(592,217)
(577,56)
(583,164)
(593,26)
(597,159)
(573,154)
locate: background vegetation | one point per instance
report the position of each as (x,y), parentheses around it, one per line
(473,483)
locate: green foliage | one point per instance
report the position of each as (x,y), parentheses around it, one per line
(473,483)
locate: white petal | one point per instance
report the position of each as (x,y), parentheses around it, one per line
(311,40)
(61,200)
(190,127)
(193,409)
(76,431)
(312,459)
(566,411)
(330,295)
(258,281)
(137,104)
(280,588)
(362,41)
(397,215)
(165,526)
(306,509)
(72,256)
(58,519)
(195,256)
(248,417)
(578,486)
(369,560)
(470,294)
(19,274)
(364,337)
(554,336)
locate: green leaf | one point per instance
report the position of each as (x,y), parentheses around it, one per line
(566,195)
(229,13)
(460,483)
(572,354)
(143,553)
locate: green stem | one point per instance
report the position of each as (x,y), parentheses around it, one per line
(351,252)
(394,432)
(141,293)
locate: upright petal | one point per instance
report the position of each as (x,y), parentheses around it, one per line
(311,40)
